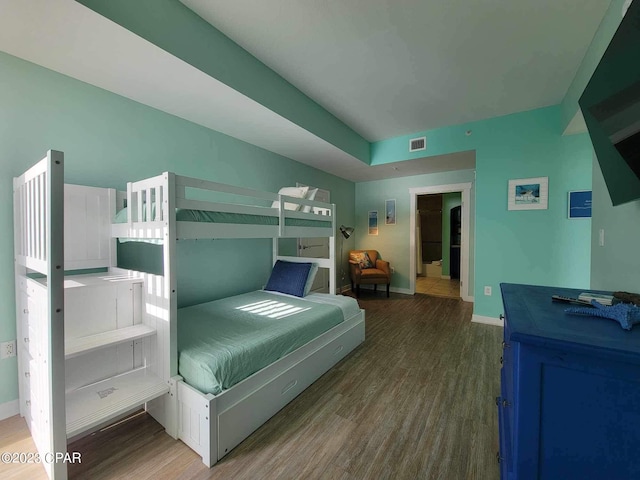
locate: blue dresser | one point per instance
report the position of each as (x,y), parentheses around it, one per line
(569,405)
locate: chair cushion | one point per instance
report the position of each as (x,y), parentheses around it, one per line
(371,273)
(362,259)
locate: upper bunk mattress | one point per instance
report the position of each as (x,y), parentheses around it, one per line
(223,342)
(186,215)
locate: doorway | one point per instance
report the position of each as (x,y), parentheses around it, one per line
(438,238)
(460,232)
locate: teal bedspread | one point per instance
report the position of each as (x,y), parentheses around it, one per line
(223,342)
(186,215)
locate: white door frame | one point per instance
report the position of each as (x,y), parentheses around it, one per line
(465,188)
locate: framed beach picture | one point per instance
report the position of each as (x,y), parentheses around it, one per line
(528,193)
(579,204)
(373,222)
(390,212)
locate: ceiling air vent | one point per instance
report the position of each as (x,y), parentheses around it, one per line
(417,144)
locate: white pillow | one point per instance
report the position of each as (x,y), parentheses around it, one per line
(311,195)
(312,276)
(296,192)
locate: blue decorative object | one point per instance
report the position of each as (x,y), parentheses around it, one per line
(580,204)
(289,278)
(625,314)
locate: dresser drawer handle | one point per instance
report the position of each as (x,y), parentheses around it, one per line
(505,403)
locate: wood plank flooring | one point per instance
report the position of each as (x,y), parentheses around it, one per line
(415,401)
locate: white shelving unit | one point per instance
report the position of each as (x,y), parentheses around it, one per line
(103,321)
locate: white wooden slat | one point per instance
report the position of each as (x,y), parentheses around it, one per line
(194,230)
(55,303)
(140,205)
(222,187)
(43,208)
(226,207)
(33,172)
(130,204)
(78,346)
(148,183)
(87,409)
(149,205)
(322,262)
(33,263)
(158,202)
(30,216)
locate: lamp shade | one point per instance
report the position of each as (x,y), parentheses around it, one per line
(346,231)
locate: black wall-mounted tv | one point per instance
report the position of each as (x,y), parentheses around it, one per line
(611,108)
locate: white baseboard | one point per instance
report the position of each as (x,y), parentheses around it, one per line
(445,277)
(9,409)
(487,320)
(468,299)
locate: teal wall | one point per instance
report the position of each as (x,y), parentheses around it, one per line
(449,201)
(109,140)
(178,30)
(536,247)
(616,265)
(392,241)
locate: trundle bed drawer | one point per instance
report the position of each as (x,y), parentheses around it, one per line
(249,413)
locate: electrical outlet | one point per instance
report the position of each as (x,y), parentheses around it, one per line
(487,290)
(8,349)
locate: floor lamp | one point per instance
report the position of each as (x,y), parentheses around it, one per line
(346,233)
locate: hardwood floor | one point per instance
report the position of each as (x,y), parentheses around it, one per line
(440,287)
(415,401)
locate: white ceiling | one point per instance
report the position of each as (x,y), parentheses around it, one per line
(384,68)
(393,67)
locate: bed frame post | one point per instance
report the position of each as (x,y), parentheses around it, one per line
(170,367)
(55,303)
(332,253)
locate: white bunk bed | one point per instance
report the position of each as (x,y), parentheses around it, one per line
(214,424)
(55,338)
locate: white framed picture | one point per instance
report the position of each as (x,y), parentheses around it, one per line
(528,194)
(390,212)
(373,222)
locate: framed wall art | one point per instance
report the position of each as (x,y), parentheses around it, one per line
(373,222)
(579,204)
(528,193)
(390,212)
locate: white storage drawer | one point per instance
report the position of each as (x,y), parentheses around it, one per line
(239,420)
